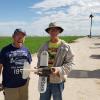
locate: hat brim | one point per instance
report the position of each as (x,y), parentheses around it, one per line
(23,33)
(61,29)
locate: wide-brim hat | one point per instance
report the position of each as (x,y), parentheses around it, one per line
(54,25)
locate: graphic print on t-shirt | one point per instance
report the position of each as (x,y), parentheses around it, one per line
(17,59)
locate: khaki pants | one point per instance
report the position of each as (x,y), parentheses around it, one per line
(20,93)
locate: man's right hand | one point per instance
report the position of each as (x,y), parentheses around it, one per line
(1,87)
(1,66)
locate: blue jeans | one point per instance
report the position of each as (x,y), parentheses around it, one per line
(54,90)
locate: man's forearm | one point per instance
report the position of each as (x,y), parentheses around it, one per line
(1,66)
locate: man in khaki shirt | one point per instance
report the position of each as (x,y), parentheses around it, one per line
(60,61)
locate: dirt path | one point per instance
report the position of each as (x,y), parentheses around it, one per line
(83,82)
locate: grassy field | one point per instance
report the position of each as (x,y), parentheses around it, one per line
(33,43)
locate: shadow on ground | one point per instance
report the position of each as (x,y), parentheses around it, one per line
(84,74)
(97,44)
(95,56)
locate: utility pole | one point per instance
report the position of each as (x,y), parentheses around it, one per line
(91,16)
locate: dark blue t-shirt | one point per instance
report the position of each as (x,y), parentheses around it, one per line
(13,60)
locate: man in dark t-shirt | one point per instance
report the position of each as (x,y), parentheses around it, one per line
(12,59)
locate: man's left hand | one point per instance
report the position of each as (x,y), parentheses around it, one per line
(55,71)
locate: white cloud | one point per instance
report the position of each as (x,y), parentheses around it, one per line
(50,4)
(79,25)
(75,6)
(75,20)
(7,28)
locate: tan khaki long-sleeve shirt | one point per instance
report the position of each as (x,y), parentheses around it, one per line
(63,61)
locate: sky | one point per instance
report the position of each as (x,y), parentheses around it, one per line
(34,16)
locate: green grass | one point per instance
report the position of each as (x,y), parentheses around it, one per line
(33,43)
